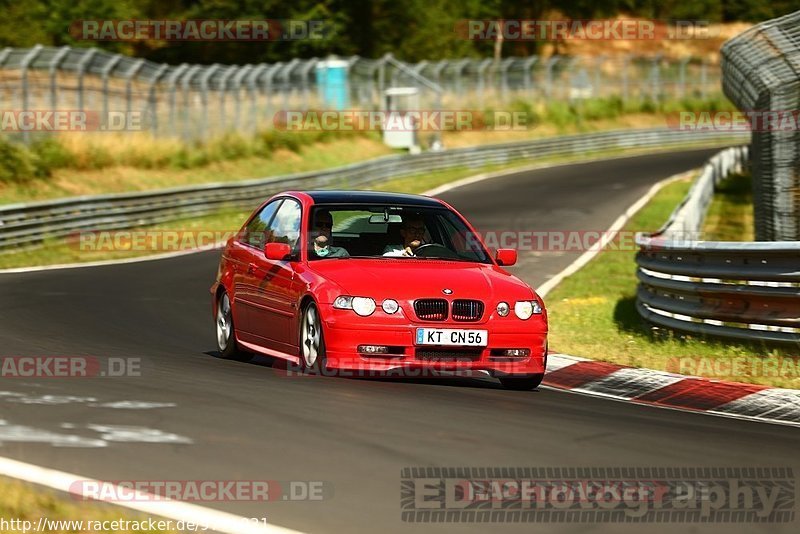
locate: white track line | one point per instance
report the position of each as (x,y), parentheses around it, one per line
(178,511)
(609,236)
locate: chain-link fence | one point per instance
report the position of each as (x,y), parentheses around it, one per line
(200,101)
(761,73)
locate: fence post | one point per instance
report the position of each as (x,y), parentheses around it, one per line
(186,86)
(52,69)
(548,80)
(152,99)
(129,75)
(527,72)
(23,66)
(237,87)
(172,81)
(207,73)
(252,89)
(87,57)
(104,72)
(223,91)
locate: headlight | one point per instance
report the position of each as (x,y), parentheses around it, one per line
(363,306)
(525,308)
(343,303)
(503,309)
(390,306)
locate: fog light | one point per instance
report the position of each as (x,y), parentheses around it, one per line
(516,353)
(390,306)
(373,349)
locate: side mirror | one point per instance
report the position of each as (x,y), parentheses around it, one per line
(506,256)
(277,251)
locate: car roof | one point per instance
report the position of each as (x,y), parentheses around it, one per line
(371,197)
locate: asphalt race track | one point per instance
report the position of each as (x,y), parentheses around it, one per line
(217,419)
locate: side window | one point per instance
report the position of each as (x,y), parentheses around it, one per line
(285,226)
(255,233)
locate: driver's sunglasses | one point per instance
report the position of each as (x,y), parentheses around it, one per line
(323,224)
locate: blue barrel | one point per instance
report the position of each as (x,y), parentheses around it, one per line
(334,90)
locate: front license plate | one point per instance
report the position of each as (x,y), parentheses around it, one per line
(446,336)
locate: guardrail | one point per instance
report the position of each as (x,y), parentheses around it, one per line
(29,224)
(741,290)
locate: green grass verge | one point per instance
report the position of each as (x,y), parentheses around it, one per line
(593,314)
(24,502)
(730,216)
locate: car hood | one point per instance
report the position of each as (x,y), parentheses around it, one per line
(408,279)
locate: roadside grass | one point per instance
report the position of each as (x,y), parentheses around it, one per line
(593,314)
(26,502)
(55,251)
(76,163)
(730,216)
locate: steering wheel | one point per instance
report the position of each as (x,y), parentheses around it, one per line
(434,250)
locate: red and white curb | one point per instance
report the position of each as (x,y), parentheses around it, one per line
(669,390)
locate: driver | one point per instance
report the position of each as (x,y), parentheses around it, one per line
(322,245)
(412,230)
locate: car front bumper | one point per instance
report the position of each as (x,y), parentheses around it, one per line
(344,332)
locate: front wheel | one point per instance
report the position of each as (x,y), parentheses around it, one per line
(312,343)
(226,340)
(522,383)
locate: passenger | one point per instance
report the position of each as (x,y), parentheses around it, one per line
(412,230)
(322,230)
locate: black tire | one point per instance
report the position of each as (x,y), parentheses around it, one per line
(225,330)
(312,341)
(522,383)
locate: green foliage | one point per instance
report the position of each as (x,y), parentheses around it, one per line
(17,164)
(411,29)
(51,155)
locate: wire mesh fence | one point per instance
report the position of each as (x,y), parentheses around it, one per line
(761,73)
(202,101)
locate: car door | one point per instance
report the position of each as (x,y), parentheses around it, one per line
(276,291)
(247,251)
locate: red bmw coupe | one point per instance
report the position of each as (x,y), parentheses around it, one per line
(376,282)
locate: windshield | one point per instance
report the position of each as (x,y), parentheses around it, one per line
(387,231)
